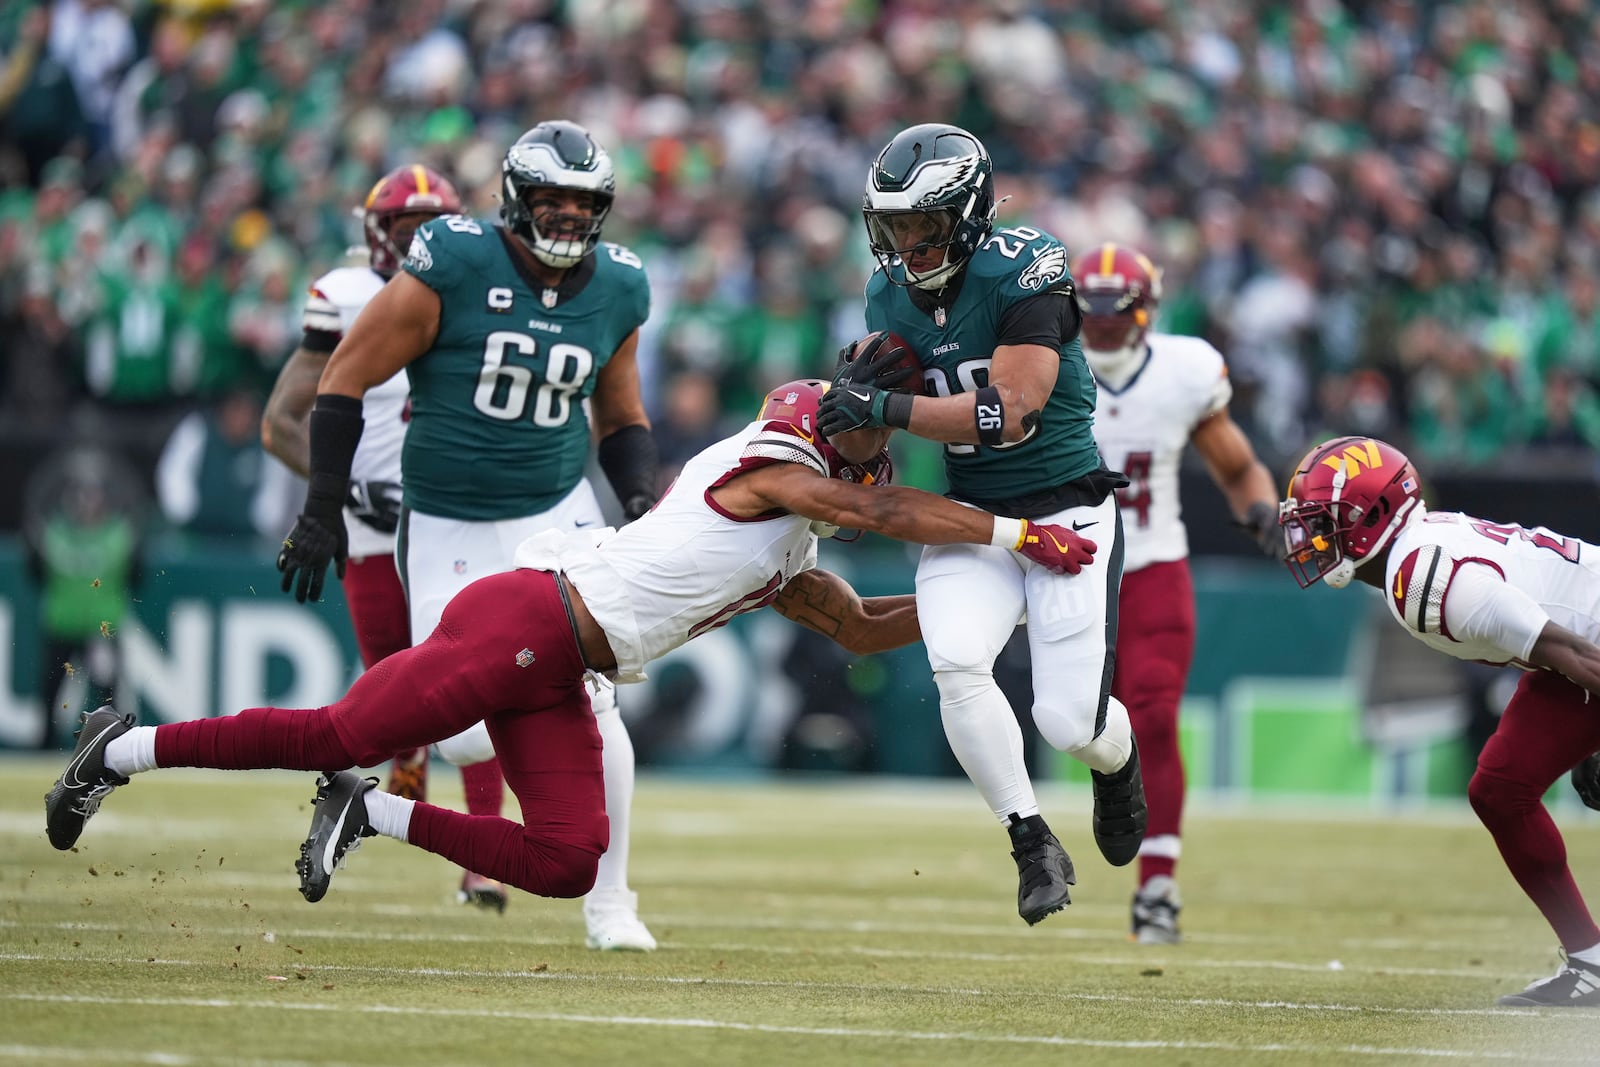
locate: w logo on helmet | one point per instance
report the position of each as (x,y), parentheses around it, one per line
(1354,458)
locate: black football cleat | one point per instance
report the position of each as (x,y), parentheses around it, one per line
(338,823)
(1576,985)
(1119,811)
(1044,871)
(482,892)
(77,794)
(1586,781)
(1155,912)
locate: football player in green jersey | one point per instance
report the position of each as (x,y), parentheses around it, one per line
(520,344)
(993,318)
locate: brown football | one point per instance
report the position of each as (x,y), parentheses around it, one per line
(908,360)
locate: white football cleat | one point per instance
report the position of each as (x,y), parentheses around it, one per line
(612,916)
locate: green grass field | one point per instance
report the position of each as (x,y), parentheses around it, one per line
(834,922)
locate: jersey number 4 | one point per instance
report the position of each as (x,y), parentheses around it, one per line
(504,388)
(1136,497)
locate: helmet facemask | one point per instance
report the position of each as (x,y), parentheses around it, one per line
(556,155)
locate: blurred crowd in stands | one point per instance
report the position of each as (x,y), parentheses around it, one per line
(1386,213)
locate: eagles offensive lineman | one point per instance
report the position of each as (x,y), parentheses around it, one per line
(993,317)
(509,336)
(401,201)
(1158,393)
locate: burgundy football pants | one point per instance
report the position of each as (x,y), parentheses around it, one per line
(503,652)
(1155,644)
(1547,728)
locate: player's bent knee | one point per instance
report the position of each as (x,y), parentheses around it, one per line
(963,693)
(1496,798)
(558,869)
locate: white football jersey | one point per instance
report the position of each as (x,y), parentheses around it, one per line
(1142,430)
(687,566)
(1495,612)
(336,299)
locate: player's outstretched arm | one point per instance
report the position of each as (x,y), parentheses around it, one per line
(910,515)
(822,601)
(1565,652)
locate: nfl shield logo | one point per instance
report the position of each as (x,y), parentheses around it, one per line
(549,298)
(939,317)
(525,657)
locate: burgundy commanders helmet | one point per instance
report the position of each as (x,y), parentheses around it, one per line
(795,403)
(1346,501)
(1118,290)
(409,190)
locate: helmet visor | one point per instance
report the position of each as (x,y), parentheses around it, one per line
(909,234)
(1311,536)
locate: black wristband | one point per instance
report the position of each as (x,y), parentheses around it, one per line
(630,461)
(335,426)
(990,415)
(897,409)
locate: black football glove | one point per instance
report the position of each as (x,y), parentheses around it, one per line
(861,390)
(318,538)
(851,407)
(1586,781)
(872,365)
(376,504)
(1262,522)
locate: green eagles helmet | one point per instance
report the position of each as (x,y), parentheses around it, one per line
(563,155)
(929,203)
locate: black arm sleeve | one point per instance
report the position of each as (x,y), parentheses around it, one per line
(630,462)
(335,426)
(1050,319)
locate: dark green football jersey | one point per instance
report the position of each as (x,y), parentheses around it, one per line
(498,428)
(956,344)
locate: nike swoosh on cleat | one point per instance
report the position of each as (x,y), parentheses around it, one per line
(333,839)
(1084,525)
(69,777)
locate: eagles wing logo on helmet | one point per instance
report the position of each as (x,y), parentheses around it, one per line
(1049,266)
(951,174)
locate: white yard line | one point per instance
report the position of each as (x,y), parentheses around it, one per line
(32,1054)
(792,984)
(212,1003)
(1045,941)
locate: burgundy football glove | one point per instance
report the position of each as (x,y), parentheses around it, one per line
(1058,549)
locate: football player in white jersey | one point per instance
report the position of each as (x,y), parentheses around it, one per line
(1492,592)
(737,531)
(402,200)
(1157,394)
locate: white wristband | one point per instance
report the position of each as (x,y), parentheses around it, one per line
(1008,532)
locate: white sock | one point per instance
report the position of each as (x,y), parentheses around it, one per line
(389,815)
(133,752)
(616,759)
(986,740)
(1590,955)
